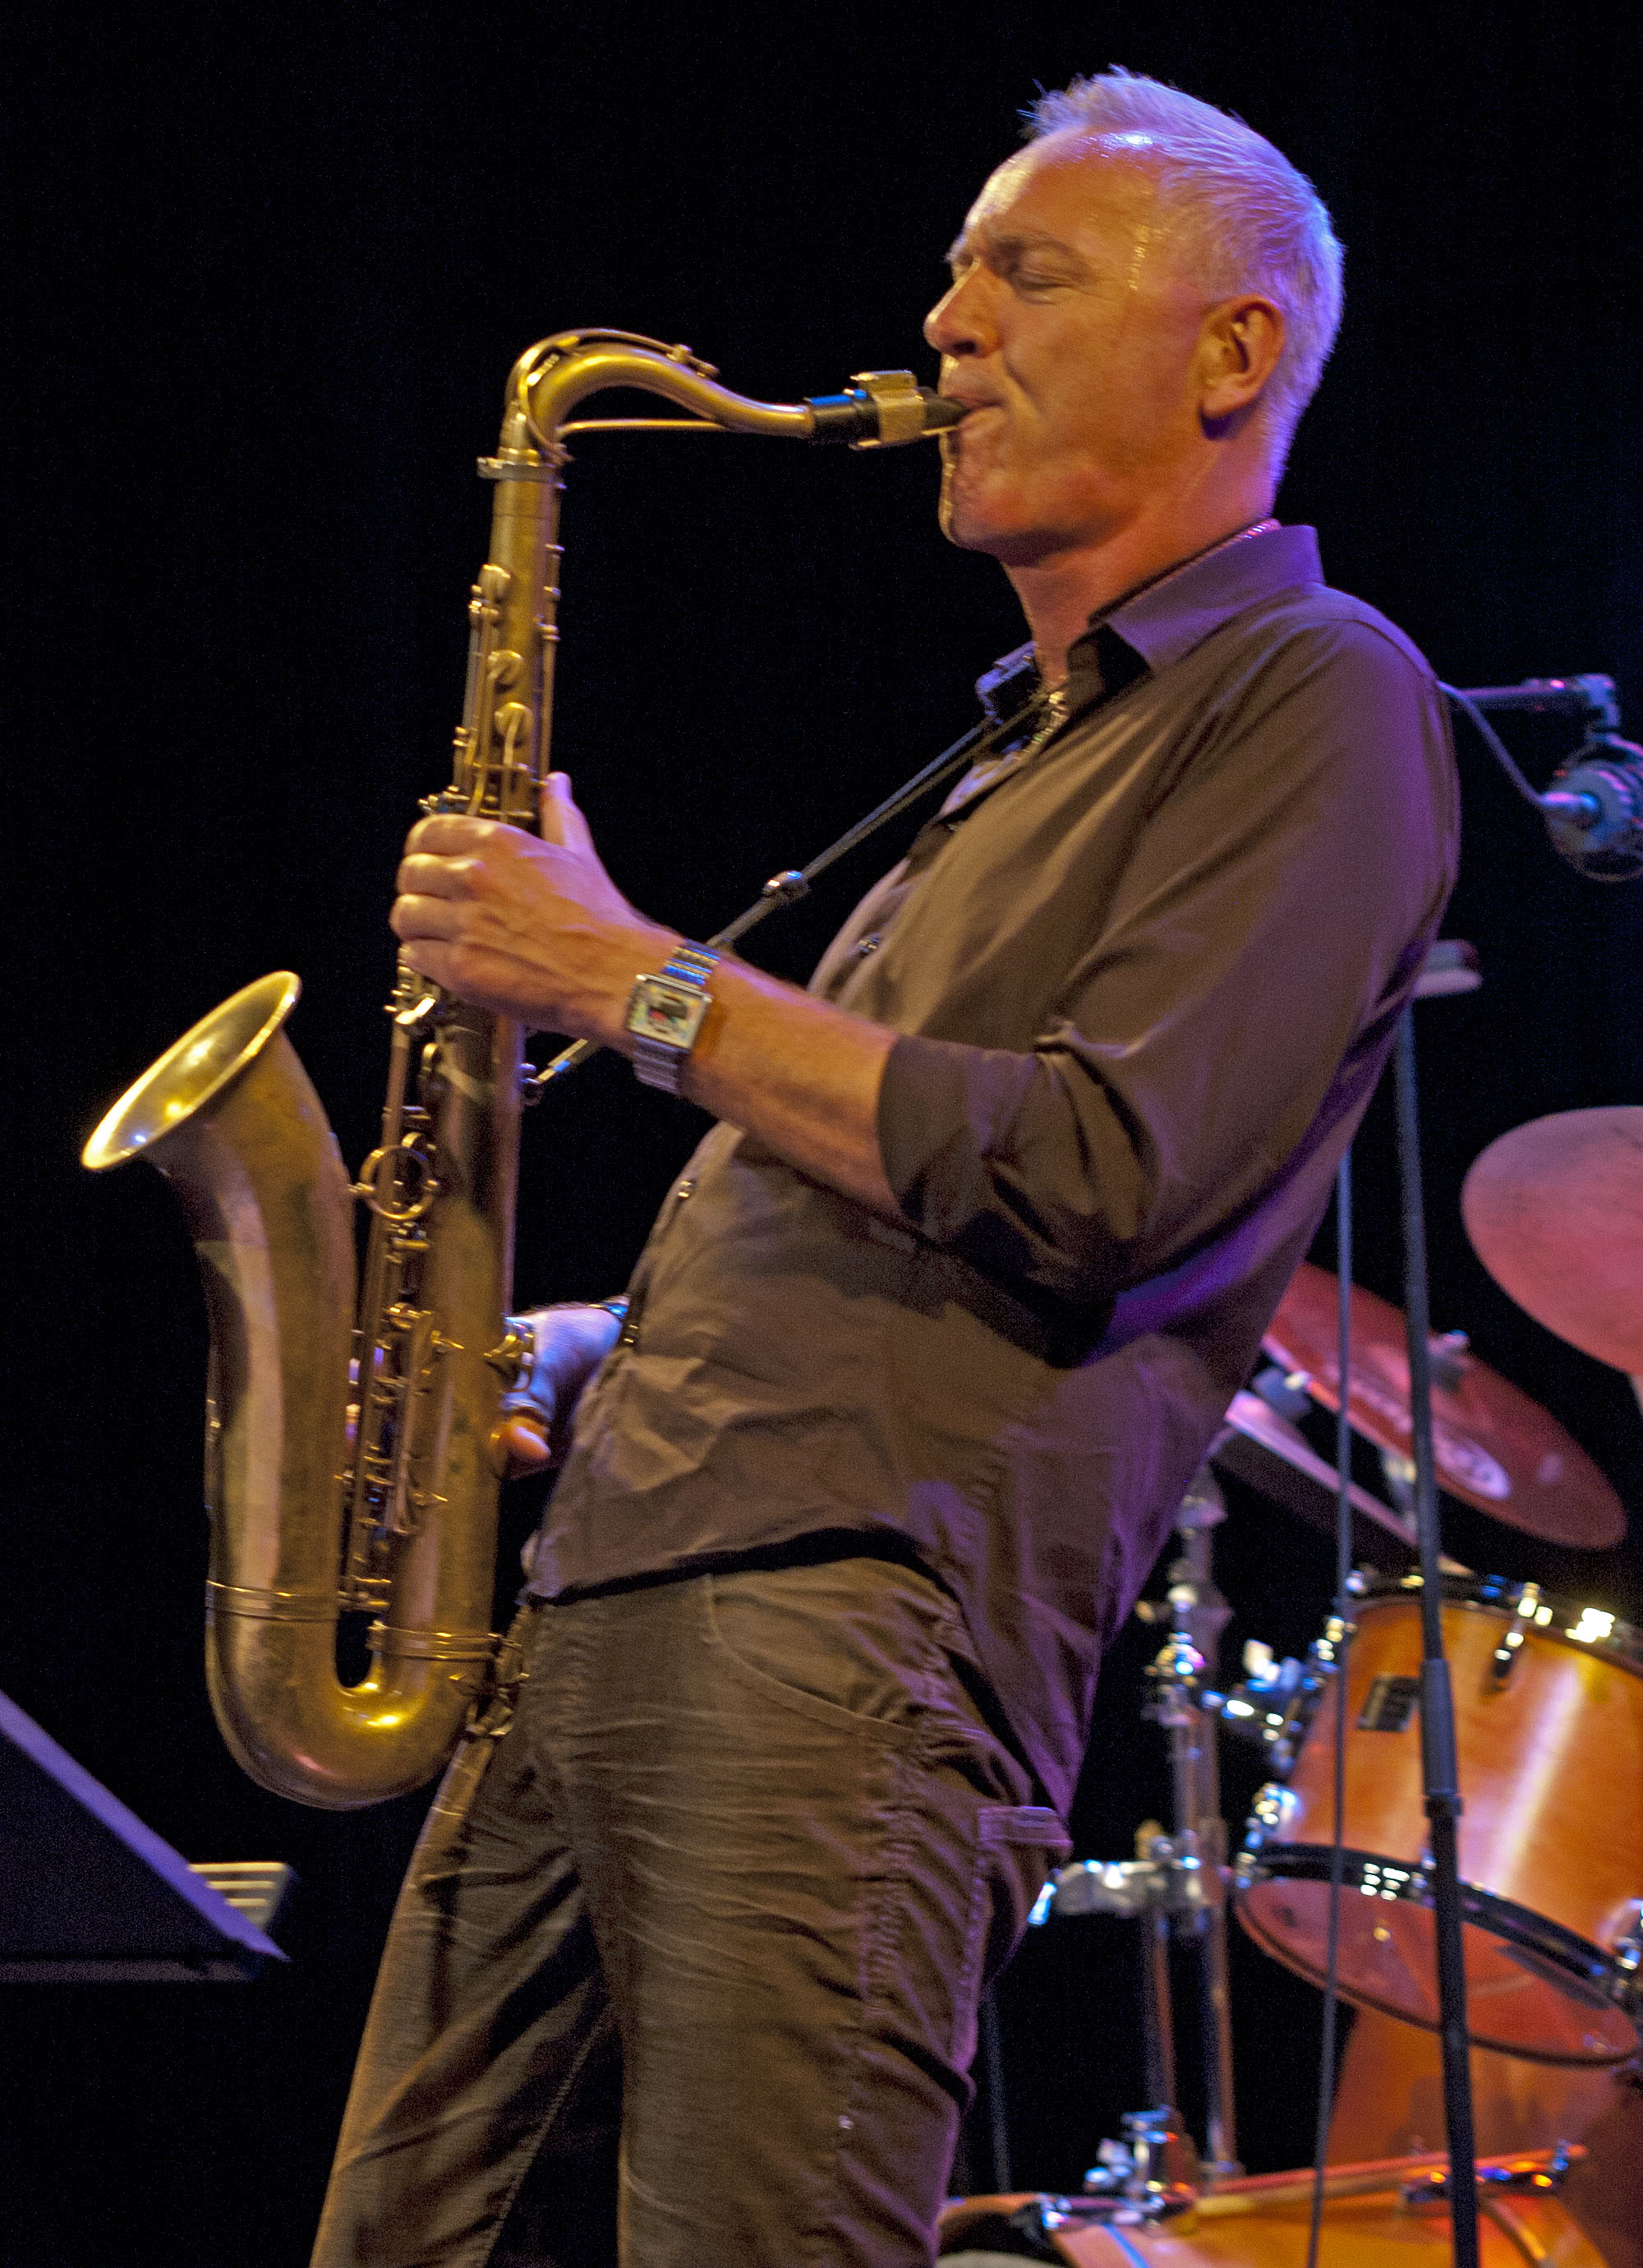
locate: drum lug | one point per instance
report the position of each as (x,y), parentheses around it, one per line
(1525,1615)
(1272,1810)
(1622,1936)
(1504,1661)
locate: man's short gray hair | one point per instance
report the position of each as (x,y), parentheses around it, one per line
(1242,218)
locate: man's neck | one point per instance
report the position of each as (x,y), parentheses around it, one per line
(1058,594)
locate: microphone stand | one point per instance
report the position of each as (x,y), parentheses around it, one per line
(1439,1773)
(1595,814)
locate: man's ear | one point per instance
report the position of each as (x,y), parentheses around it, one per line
(1238,350)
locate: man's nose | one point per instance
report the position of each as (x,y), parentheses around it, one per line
(960,323)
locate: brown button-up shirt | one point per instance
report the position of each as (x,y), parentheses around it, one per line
(1146,976)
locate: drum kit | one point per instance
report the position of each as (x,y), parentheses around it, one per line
(1548,1720)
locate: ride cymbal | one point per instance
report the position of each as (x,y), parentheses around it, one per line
(1555,1212)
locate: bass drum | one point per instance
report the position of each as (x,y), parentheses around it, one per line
(1371,2219)
(1549,1726)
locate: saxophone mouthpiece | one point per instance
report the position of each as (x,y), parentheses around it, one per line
(881,409)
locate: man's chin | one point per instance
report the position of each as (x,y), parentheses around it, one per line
(965,520)
(971,529)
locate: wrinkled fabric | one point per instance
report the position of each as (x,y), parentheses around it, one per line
(1146,976)
(690,1975)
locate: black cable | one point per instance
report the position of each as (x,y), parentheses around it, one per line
(1495,745)
(992,2045)
(1343,1600)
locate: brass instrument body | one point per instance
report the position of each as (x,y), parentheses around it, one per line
(349,1465)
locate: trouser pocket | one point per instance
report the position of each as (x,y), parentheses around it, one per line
(1016,1844)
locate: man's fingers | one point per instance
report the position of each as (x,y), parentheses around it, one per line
(426,875)
(416,915)
(454,835)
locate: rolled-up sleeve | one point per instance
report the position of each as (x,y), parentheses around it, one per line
(1273,915)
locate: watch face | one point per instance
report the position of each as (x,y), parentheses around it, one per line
(667,1012)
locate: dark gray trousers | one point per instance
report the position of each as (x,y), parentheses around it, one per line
(688,1975)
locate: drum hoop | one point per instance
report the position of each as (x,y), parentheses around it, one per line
(1372,1876)
(1284,1733)
(1623,1644)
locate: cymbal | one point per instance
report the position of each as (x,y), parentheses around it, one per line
(1555,1212)
(1273,1456)
(1494,1447)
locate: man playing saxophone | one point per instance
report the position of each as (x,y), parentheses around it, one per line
(937,1323)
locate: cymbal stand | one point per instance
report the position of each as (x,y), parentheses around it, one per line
(1198,1616)
(1175,1887)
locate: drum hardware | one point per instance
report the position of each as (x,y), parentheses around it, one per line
(1275,1703)
(1433,2188)
(1593,810)
(1155,2169)
(1175,1702)
(1176,1886)
(1391,1704)
(1153,2175)
(1524,1615)
(1624,1937)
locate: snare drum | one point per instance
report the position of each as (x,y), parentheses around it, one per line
(1549,1729)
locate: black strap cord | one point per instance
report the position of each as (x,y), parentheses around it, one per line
(792,886)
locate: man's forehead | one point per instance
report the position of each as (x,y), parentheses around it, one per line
(1062,180)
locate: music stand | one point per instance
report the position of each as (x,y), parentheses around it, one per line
(89,1895)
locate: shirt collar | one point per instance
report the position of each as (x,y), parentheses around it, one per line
(1171,615)
(1166,618)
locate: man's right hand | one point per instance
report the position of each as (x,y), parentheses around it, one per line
(567,1345)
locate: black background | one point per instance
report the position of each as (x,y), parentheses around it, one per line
(276,266)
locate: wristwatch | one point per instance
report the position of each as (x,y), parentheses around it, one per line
(665,1013)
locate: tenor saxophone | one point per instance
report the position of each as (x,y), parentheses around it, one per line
(350,1462)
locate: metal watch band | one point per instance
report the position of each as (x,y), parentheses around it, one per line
(660,1063)
(691,964)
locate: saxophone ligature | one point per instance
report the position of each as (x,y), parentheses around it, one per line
(350,1461)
